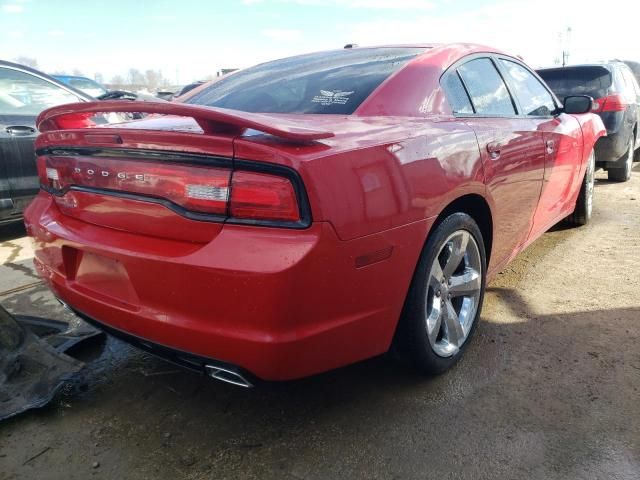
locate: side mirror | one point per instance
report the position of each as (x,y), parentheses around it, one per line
(577,104)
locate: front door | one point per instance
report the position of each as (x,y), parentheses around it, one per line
(512,152)
(560,136)
(17,134)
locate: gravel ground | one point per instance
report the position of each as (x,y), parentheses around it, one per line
(548,389)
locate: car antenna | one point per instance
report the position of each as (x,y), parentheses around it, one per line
(351,45)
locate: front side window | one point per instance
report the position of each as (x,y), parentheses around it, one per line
(631,82)
(22,93)
(534,98)
(334,82)
(488,91)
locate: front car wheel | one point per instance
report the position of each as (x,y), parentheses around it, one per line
(584,204)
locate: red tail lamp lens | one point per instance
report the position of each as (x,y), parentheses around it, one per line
(197,189)
(611,103)
(210,190)
(263,197)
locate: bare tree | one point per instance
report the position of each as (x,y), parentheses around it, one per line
(117,82)
(153,79)
(135,78)
(78,73)
(28,61)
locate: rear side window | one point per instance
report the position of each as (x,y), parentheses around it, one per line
(456,94)
(630,81)
(533,97)
(594,81)
(334,82)
(488,91)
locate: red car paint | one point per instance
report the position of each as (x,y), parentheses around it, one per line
(284,303)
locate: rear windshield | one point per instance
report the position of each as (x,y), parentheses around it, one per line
(593,81)
(334,82)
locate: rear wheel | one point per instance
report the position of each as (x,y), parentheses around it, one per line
(446,295)
(584,205)
(623,173)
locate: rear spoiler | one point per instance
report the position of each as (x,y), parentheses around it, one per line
(212,120)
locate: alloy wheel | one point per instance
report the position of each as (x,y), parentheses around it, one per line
(453,293)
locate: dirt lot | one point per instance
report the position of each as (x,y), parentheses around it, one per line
(549,389)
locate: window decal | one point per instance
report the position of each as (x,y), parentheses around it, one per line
(331,97)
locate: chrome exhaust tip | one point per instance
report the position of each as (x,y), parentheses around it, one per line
(227,376)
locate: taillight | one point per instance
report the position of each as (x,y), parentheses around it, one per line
(611,103)
(241,194)
(263,197)
(198,189)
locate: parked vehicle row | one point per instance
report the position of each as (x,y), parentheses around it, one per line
(616,95)
(84,84)
(310,212)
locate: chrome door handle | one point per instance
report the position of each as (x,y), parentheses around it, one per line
(20,130)
(494,150)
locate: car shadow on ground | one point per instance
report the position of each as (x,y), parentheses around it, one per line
(556,383)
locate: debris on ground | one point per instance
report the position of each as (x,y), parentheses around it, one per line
(33,365)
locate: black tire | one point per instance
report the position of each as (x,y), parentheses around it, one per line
(623,173)
(584,205)
(412,339)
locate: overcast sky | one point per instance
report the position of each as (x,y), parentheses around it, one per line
(190,39)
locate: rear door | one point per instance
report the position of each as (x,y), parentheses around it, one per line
(23,96)
(511,148)
(560,135)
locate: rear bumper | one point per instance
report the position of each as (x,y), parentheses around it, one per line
(186,360)
(280,304)
(610,150)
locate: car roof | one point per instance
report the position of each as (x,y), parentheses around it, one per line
(607,65)
(49,78)
(72,76)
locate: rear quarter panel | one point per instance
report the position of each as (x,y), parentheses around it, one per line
(400,171)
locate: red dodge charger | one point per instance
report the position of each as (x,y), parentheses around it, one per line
(306,213)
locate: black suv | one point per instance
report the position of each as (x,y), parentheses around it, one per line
(616,96)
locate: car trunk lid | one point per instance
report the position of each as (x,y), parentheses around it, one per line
(168,175)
